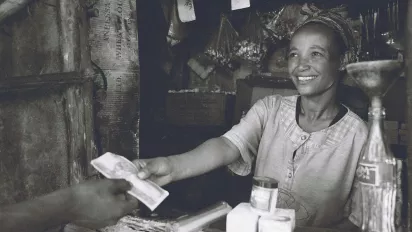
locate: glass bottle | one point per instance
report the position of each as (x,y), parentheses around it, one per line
(377,176)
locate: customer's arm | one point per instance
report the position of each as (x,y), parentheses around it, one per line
(92,204)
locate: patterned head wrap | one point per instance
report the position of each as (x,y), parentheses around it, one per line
(335,19)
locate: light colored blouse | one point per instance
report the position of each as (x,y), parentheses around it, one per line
(318,183)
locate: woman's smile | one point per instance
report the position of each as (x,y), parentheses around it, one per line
(306,79)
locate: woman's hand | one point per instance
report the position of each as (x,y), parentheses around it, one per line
(158,170)
(101,203)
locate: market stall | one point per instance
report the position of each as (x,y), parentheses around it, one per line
(150,79)
(219,51)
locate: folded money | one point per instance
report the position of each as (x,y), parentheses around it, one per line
(118,167)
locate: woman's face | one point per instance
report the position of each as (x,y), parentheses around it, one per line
(314,60)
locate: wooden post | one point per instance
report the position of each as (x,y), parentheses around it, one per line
(69,34)
(408,65)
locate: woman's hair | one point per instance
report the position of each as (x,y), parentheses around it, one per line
(335,20)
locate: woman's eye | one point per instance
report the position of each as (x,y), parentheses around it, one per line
(293,54)
(317,54)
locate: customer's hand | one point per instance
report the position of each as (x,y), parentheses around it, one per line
(101,203)
(158,170)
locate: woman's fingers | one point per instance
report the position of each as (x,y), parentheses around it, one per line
(140,164)
(143,173)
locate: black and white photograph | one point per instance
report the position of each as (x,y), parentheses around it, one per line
(205,115)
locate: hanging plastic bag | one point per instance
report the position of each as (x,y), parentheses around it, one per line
(269,20)
(251,46)
(220,48)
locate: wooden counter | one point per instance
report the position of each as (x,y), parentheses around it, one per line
(133,224)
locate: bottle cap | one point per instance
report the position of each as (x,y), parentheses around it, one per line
(265,182)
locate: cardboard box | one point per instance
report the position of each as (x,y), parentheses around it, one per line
(199,109)
(403,126)
(392,136)
(250,90)
(391,129)
(403,137)
(391,125)
(395,102)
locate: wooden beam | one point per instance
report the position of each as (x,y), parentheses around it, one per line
(41,81)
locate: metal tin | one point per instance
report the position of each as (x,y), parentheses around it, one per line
(264,195)
(265,182)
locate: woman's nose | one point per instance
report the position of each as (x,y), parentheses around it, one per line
(303,65)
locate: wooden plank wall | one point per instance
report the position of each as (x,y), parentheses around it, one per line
(45,136)
(46,100)
(36,40)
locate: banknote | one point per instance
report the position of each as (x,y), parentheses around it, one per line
(115,166)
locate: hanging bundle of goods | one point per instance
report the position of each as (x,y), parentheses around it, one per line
(220,48)
(251,46)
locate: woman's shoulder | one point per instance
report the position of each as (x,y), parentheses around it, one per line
(276,100)
(350,129)
(358,125)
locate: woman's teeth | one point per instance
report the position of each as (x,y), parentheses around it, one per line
(308,78)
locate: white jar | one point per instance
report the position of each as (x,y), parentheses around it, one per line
(264,195)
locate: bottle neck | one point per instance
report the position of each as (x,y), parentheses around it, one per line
(377,146)
(376,125)
(376,113)
(377,117)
